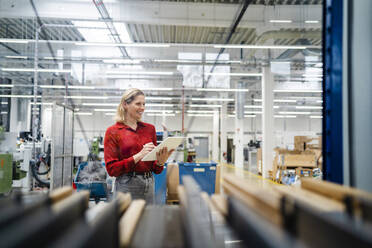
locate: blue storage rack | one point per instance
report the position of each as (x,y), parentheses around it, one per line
(203,173)
(161,186)
(97,189)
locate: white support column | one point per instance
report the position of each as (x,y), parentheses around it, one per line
(239,127)
(223,132)
(267,120)
(216,130)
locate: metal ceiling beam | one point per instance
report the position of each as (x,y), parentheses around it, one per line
(110,25)
(233,27)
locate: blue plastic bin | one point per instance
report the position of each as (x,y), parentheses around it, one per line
(161,186)
(97,189)
(203,173)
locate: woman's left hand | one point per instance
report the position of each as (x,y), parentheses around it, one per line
(163,155)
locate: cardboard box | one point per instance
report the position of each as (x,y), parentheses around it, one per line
(173,180)
(259,160)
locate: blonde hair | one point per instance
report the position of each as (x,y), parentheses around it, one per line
(128,97)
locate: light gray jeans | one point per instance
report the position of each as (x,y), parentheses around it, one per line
(138,186)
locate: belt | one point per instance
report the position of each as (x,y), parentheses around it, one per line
(147,174)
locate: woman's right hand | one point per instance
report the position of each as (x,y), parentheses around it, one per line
(145,150)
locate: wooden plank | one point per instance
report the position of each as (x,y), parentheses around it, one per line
(264,202)
(60,193)
(217,188)
(300,160)
(125,200)
(129,221)
(332,190)
(66,202)
(311,199)
(220,203)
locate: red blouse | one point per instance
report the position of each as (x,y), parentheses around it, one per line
(122,142)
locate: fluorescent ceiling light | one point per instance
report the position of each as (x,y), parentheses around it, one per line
(21,41)
(247,116)
(285,100)
(50,58)
(201,111)
(253,106)
(281,21)
(223,90)
(83,113)
(295,113)
(141,72)
(298,91)
(158,111)
(312,21)
(156,89)
(4,113)
(309,107)
(42,103)
(199,115)
(285,116)
(159,105)
(205,105)
(83,43)
(319,101)
(213,99)
(6,85)
(4,103)
(19,96)
(316,116)
(81,87)
(152,114)
(313,75)
(16,57)
(260,47)
(122,61)
(234,74)
(105,110)
(87,97)
(33,70)
(159,98)
(52,86)
(100,104)
(110,114)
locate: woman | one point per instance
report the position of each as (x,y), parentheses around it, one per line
(127,142)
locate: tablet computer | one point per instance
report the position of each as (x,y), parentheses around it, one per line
(170,143)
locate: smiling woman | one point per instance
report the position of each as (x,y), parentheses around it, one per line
(127,142)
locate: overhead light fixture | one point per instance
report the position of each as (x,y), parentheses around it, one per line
(105,110)
(4,112)
(81,87)
(84,43)
(33,70)
(19,96)
(247,116)
(158,111)
(312,21)
(253,106)
(6,85)
(285,116)
(309,107)
(159,98)
(21,41)
(201,111)
(53,58)
(213,99)
(319,101)
(285,100)
(298,91)
(4,103)
(42,103)
(199,115)
(164,114)
(163,73)
(52,86)
(100,104)
(16,57)
(316,117)
(87,97)
(121,61)
(205,106)
(281,21)
(159,105)
(222,90)
(295,113)
(83,113)
(110,114)
(313,75)
(261,47)
(234,74)
(154,89)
